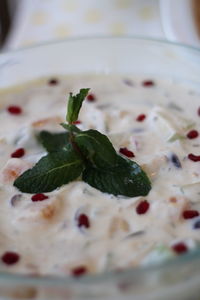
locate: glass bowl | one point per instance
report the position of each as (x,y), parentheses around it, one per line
(175,279)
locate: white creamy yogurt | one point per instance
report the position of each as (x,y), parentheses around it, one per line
(157,122)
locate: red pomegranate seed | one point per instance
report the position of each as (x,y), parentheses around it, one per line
(192,134)
(10,258)
(124,286)
(76,122)
(141,118)
(193,157)
(18,153)
(190,214)
(126,152)
(128,82)
(197,224)
(91,97)
(180,248)
(14,110)
(142,207)
(39,197)
(198,112)
(15,199)
(53,81)
(148,83)
(79,271)
(83,220)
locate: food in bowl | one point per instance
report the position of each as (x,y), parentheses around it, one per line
(76,229)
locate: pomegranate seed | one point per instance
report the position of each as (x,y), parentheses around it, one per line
(83,220)
(39,197)
(128,82)
(18,153)
(14,110)
(141,118)
(126,152)
(198,112)
(10,258)
(15,199)
(194,157)
(53,81)
(192,134)
(79,271)
(197,224)
(142,207)
(124,286)
(175,160)
(91,97)
(76,122)
(180,248)
(148,83)
(190,214)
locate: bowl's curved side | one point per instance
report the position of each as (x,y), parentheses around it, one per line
(173,280)
(101,55)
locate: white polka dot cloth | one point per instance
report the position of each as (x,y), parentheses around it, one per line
(47,20)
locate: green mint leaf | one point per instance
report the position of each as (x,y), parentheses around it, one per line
(51,172)
(126,178)
(53,141)
(74,105)
(70,127)
(97,148)
(106,170)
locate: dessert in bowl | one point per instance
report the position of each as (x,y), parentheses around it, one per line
(74,239)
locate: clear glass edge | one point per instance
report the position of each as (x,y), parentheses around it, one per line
(99,278)
(71,39)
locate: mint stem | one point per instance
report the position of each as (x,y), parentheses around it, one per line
(75,146)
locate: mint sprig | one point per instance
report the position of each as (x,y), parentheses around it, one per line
(97,148)
(74,105)
(52,171)
(124,178)
(88,153)
(53,141)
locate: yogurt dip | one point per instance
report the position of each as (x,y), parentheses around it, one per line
(77,229)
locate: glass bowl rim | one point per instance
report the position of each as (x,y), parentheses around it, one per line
(100,37)
(172,263)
